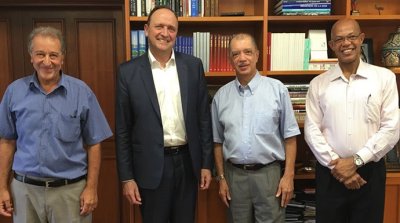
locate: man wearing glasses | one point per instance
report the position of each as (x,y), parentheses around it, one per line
(352,122)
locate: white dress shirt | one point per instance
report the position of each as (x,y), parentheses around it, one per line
(169,99)
(356,116)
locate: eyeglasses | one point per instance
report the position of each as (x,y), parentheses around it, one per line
(341,39)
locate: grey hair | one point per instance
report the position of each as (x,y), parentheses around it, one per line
(48,32)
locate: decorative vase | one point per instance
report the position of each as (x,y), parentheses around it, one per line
(391,50)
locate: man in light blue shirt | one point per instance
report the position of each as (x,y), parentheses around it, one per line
(51,126)
(254,129)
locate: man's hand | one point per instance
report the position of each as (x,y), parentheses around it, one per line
(285,189)
(224,192)
(205,179)
(354,182)
(344,168)
(88,200)
(6,206)
(131,192)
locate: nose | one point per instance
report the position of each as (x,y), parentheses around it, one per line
(47,60)
(164,31)
(242,56)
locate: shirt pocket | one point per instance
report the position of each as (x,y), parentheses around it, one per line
(265,123)
(68,128)
(372,110)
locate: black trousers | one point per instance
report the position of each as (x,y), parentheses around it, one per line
(337,204)
(174,201)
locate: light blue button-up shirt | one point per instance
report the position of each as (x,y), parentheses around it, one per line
(252,121)
(51,129)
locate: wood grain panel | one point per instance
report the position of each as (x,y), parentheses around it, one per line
(5,55)
(97,64)
(108,209)
(391,204)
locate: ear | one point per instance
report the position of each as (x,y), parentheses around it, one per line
(331,45)
(362,37)
(257,54)
(146,27)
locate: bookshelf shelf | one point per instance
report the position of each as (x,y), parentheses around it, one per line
(232,19)
(318,19)
(294,73)
(375,18)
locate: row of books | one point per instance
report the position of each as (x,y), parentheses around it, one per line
(302,7)
(286,51)
(212,49)
(293,51)
(180,7)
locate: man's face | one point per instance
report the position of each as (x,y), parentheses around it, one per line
(162,31)
(346,42)
(243,56)
(46,58)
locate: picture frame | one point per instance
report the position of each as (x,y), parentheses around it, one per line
(367,51)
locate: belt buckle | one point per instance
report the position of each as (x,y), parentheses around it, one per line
(248,166)
(174,149)
(47,183)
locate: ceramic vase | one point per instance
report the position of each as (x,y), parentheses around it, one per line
(391,50)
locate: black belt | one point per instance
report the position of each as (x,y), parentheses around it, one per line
(253,166)
(50,183)
(175,150)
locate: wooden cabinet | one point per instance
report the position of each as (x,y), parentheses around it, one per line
(392,198)
(258,21)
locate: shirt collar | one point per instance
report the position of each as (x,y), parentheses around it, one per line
(153,60)
(362,70)
(252,85)
(34,82)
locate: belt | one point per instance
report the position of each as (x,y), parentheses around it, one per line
(50,183)
(253,166)
(175,150)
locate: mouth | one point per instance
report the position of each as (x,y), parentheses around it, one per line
(347,51)
(163,41)
(243,66)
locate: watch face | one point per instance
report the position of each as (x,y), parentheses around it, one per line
(358,162)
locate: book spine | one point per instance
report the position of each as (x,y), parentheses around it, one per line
(194,8)
(142,42)
(134,44)
(133,9)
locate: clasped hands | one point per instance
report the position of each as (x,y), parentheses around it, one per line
(345,172)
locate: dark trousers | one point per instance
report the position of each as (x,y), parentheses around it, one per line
(337,204)
(174,201)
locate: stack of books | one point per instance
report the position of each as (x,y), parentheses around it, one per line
(302,207)
(298,93)
(302,7)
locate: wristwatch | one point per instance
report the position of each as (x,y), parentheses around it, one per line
(220,177)
(358,161)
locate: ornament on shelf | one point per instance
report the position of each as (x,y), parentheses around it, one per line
(391,50)
(354,10)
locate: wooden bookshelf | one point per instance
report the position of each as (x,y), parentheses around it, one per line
(258,21)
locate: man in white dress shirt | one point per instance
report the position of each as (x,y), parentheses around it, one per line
(352,122)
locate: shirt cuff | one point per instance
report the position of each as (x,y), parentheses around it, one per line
(366,155)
